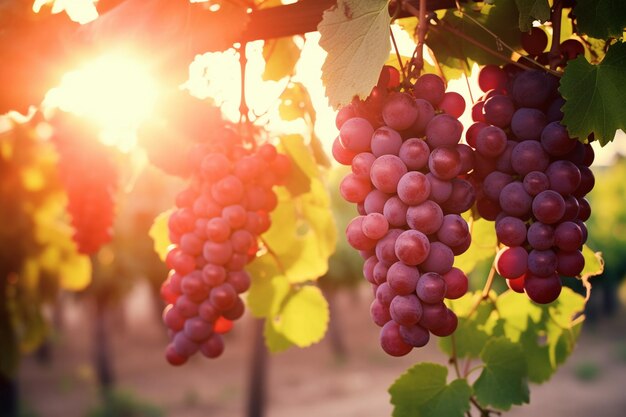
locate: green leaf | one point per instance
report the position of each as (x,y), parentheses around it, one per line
(74,272)
(483,247)
(303,318)
(456,54)
(160,234)
(274,340)
(601,18)
(422,391)
(595,95)
(472,332)
(503,381)
(268,288)
(531,10)
(281,56)
(355,34)
(303,234)
(546,333)
(594,265)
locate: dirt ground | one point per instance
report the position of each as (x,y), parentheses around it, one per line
(310,382)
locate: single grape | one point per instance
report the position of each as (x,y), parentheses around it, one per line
(511,262)
(564,177)
(395,211)
(443,130)
(362,165)
(414,153)
(412,247)
(440,258)
(399,111)
(375,201)
(355,134)
(570,263)
(498,110)
(453,104)
(491,141)
(413,188)
(431,288)
(555,139)
(542,263)
(453,230)
(425,113)
(548,207)
(426,217)
(379,313)
(528,124)
(492,77)
(386,171)
(531,89)
(540,236)
(375,226)
(354,189)
(529,156)
(568,236)
(542,290)
(415,335)
(456,283)
(430,87)
(402,278)
(536,182)
(514,200)
(405,310)
(511,231)
(392,342)
(444,163)
(385,141)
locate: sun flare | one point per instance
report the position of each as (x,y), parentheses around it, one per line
(116,92)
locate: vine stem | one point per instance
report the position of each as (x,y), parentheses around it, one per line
(555,18)
(395,47)
(243,105)
(422,28)
(454,358)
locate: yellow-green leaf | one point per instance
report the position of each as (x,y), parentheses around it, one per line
(304,316)
(281,56)
(594,265)
(75,272)
(159,234)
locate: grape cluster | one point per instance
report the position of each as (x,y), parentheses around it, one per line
(88,174)
(214,231)
(407,167)
(531,178)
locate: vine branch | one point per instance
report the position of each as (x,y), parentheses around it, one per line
(555,18)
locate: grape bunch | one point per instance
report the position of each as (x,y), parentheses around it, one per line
(214,231)
(89,176)
(407,167)
(531,178)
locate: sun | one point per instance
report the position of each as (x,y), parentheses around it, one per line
(115,91)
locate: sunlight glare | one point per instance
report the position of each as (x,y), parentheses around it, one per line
(114,91)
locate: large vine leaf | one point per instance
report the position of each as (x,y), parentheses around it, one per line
(503,381)
(547,334)
(281,56)
(601,18)
(531,10)
(422,391)
(355,34)
(303,317)
(454,52)
(595,95)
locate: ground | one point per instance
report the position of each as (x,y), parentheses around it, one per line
(309,382)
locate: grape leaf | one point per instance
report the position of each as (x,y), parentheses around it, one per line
(503,381)
(159,233)
(601,18)
(355,34)
(594,265)
(471,333)
(274,340)
(422,391)
(281,56)
(74,272)
(455,53)
(595,95)
(546,333)
(483,245)
(531,10)
(303,317)
(268,288)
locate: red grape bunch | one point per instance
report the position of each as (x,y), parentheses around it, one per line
(532,180)
(214,231)
(407,167)
(88,174)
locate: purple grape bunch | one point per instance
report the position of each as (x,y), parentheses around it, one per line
(407,182)
(531,179)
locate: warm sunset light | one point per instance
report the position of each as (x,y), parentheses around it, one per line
(115,91)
